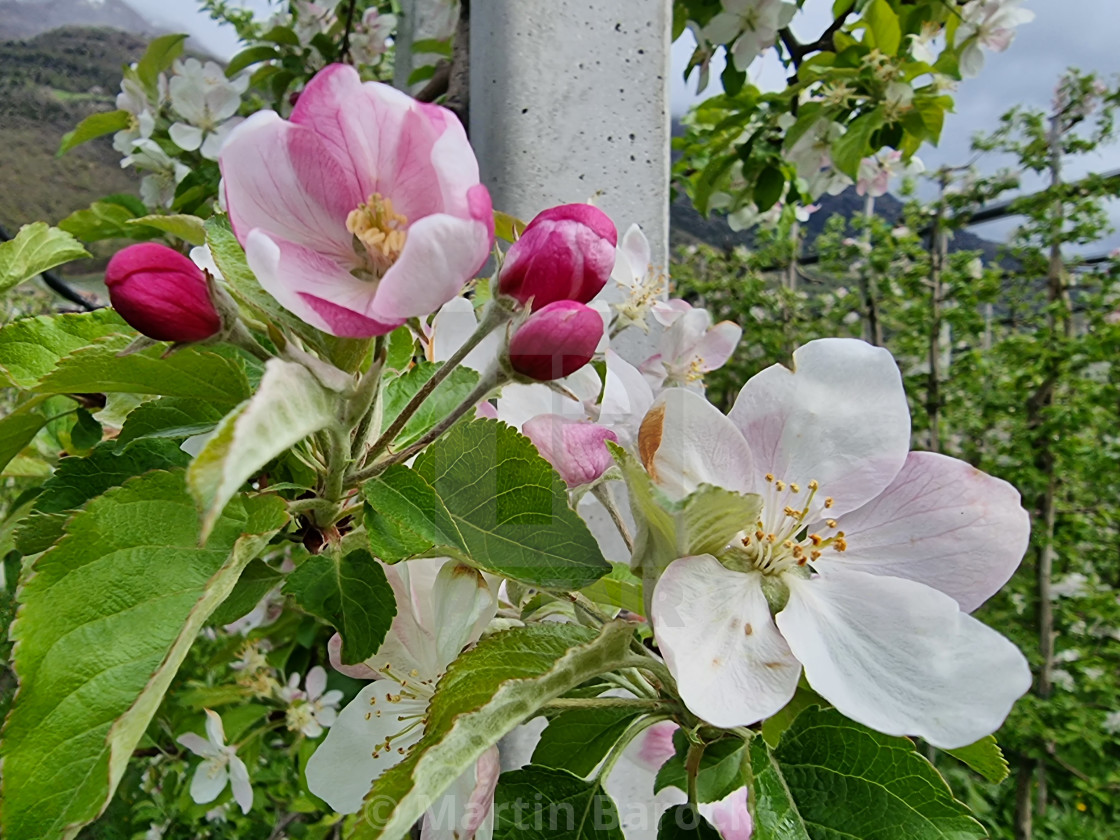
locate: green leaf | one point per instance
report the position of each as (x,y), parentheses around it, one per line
(543,802)
(841,779)
(108,616)
(31,347)
(723,769)
(93,126)
(86,432)
(401,349)
(619,588)
(511,507)
(104,220)
(77,480)
(485,694)
(255,582)
(985,757)
(161,52)
(36,248)
(249,57)
(683,822)
(579,739)
(768,188)
(405,517)
(352,594)
(281,35)
(853,146)
(188,228)
(289,405)
(188,372)
(19,428)
(507,227)
(447,395)
(170,417)
(883,23)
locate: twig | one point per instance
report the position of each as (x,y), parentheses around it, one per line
(344,44)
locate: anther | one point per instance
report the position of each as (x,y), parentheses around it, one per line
(828,501)
(796,488)
(781,485)
(769,476)
(831,523)
(813,485)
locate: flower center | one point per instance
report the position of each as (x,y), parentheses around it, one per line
(409,706)
(379,234)
(780,540)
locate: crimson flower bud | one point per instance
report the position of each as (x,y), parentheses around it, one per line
(565,253)
(556,340)
(161,293)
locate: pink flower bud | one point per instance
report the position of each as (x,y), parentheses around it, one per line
(161,293)
(565,253)
(556,340)
(576,449)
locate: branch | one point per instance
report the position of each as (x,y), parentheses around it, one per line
(344,45)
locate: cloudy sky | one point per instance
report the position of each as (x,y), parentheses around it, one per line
(1081,33)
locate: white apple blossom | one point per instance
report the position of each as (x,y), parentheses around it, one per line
(811,154)
(875,173)
(922,44)
(442,606)
(142,114)
(990,24)
(1111,723)
(861,567)
(312,709)
(207,102)
(1073,585)
(220,767)
(690,346)
(643,282)
(752,24)
(370,37)
(157,188)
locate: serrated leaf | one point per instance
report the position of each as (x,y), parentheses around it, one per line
(104,220)
(579,739)
(170,417)
(484,695)
(447,395)
(683,822)
(77,480)
(36,248)
(545,802)
(852,146)
(511,507)
(405,517)
(401,349)
(985,757)
(188,228)
(289,405)
(255,582)
(189,372)
(31,347)
(843,779)
(883,23)
(94,126)
(351,593)
(161,52)
(19,428)
(108,616)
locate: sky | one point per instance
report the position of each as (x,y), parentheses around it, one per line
(1080,33)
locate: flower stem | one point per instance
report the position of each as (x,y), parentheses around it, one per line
(492,317)
(602,492)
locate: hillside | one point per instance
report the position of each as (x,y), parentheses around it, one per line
(22,19)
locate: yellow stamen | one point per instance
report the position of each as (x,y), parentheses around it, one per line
(380,229)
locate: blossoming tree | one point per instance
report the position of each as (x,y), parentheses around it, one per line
(327,500)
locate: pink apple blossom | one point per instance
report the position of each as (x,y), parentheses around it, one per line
(556,341)
(578,450)
(861,567)
(362,210)
(690,346)
(161,293)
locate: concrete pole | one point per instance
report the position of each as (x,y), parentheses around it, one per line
(569,101)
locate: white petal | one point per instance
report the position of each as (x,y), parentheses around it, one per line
(342,770)
(626,398)
(466,810)
(186,137)
(943,523)
(840,417)
(452,326)
(239,783)
(713,627)
(685,441)
(208,781)
(902,658)
(315,682)
(464,604)
(198,745)
(214,729)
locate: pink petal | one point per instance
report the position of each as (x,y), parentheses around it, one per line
(943,523)
(902,658)
(685,441)
(577,450)
(839,417)
(655,745)
(282,178)
(440,254)
(713,627)
(730,816)
(315,682)
(361,671)
(717,345)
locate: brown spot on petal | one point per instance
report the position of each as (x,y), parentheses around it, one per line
(717,662)
(649,437)
(748,629)
(773,664)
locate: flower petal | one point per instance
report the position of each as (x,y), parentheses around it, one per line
(214,729)
(463,605)
(685,441)
(441,253)
(713,627)
(943,523)
(342,769)
(453,325)
(627,397)
(239,784)
(466,810)
(902,658)
(315,682)
(730,815)
(840,417)
(208,781)
(198,745)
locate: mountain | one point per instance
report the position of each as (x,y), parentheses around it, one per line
(23,19)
